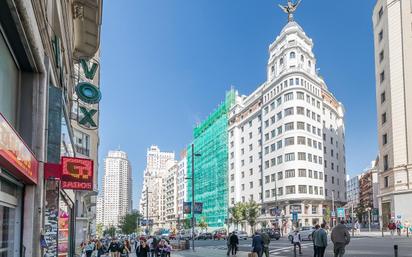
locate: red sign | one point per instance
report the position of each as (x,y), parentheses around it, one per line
(15,155)
(77,173)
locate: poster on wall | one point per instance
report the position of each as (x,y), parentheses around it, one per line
(64,220)
(51,218)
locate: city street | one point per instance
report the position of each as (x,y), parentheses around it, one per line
(359,246)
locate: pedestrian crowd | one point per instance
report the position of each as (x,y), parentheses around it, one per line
(114,247)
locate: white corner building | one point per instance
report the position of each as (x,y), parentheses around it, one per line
(286,139)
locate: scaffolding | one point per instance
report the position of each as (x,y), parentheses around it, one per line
(211,167)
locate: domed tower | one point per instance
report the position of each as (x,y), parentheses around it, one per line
(286,139)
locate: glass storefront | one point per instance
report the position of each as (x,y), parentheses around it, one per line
(10,217)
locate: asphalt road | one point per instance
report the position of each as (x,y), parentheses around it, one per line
(359,247)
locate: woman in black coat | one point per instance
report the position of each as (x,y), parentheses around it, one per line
(143,249)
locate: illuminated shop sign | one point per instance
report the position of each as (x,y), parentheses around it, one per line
(15,156)
(76,173)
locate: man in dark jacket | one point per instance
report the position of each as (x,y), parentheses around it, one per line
(266,242)
(257,244)
(234,241)
(340,237)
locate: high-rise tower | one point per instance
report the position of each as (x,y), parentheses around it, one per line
(117,201)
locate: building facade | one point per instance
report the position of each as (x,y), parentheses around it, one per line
(117,188)
(40,43)
(170,187)
(181,185)
(152,199)
(352,191)
(211,165)
(287,138)
(393,59)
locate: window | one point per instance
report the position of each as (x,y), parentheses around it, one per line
(301,141)
(289,141)
(82,142)
(267,193)
(333,180)
(302,173)
(232,177)
(289,173)
(281,62)
(300,95)
(385,162)
(273,177)
(288,96)
(280,191)
(272,105)
(266,164)
(251,184)
(290,190)
(302,156)
(243,187)
(242,162)
(279,159)
(279,144)
(382,76)
(279,116)
(273,192)
(309,63)
(310,175)
(232,189)
(242,140)
(273,147)
(380,36)
(321,190)
(291,82)
(273,162)
(311,190)
(326,178)
(386,181)
(316,190)
(280,175)
(272,119)
(289,126)
(381,56)
(300,110)
(292,55)
(250,159)
(383,118)
(289,157)
(288,111)
(385,139)
(320,175)
(383,97)
(303,189)
(380,13)
(250,135)
(301,125)
(243,199)
(302,58)
(279,101)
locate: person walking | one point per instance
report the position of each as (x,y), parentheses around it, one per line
(297,240)
(357,228)
(89,248)
(315,250)
(399,227)
(320,238)
(266,242)
(257,244)
(234,242)
(228,244)
(114,248)
(101,250)
(392,227)
(143,249)
(340,237)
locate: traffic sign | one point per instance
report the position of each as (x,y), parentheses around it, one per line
(294,216)
(333,214)
(341,212)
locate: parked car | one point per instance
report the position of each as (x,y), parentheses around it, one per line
(305,233)
(273,233)
(219,234)
(204,236)
(242,235)
(186,234)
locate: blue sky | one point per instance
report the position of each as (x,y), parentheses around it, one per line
(166,64)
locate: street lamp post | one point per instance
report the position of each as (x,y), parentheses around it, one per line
(369,217)
(193,194)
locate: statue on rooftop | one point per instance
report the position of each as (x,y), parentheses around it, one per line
(290,8)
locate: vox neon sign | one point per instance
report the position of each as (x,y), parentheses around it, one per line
(89,94)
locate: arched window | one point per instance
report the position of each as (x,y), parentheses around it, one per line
(309,63)
(292,55)
(302,58)
(281,61)
(272,68)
